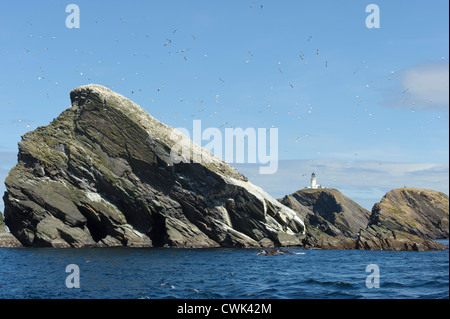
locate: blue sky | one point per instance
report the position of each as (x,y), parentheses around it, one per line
(366,109)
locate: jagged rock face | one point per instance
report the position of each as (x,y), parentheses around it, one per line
(101,175)
(329,211)
(2,224)
(407,219)
(420,212)
(381,238)
(7,240)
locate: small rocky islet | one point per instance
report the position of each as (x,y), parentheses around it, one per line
(101,175)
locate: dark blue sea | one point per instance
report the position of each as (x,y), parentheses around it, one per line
(221,273)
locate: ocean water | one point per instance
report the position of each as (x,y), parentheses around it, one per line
(221,273)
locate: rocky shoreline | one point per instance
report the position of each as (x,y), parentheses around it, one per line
(102,175)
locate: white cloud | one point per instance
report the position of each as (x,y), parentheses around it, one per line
(428,83)
(425,86)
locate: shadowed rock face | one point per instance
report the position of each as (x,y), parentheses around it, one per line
(330,207)
(332,220)
(101,175)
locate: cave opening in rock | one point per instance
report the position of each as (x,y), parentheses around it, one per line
(95,226)
(158,232)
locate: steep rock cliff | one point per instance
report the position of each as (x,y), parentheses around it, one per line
(101,174)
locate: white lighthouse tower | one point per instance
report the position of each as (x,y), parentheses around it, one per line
(313,181)
(314,184)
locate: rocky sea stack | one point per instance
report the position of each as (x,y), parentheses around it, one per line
(101,175)
(405,219)
(6,238)
(332,220)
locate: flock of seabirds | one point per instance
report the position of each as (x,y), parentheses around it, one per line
(169,42)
